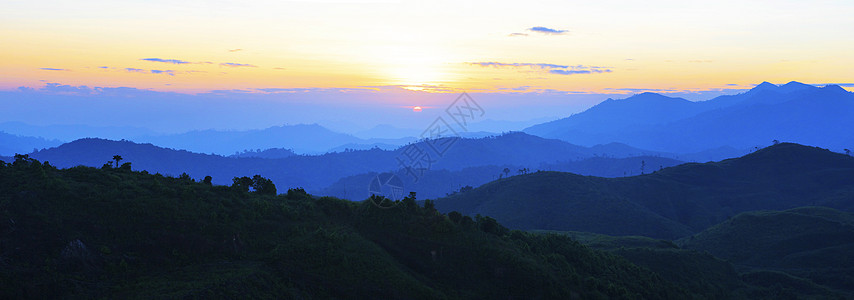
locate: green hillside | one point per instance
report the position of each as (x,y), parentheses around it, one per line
(115,233)
(669,203)
(814,243)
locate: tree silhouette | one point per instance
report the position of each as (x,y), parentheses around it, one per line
(263,185)
(848,152)
(241,183)
(117,158)
(506,171)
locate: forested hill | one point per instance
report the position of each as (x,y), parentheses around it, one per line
(116,233)
(670,203)
(814,243)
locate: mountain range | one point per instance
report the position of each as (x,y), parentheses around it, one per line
(320,172)
(11,144)
(794,112)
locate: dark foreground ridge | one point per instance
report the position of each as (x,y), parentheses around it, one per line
(116,233)
(669,203)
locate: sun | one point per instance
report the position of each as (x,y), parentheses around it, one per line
(416,109)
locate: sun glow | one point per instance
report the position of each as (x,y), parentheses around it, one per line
(413,66)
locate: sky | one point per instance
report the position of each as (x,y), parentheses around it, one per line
(362,63)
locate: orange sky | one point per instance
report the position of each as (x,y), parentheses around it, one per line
(481,46)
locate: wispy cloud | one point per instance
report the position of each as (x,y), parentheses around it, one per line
(53,69)
(844,84)
(515,65)
(168,61)
(518,34)
(548,31)
(166,72)
(236,65)
(582,71)
(549,68)
(640,90)
(235,50)
(57,88)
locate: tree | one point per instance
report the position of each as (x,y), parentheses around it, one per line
(22,160)
(299,193)
(429,205)
(775,142)
(455,216)
(643,166)
(208,180)
(117,158)
(506,171)
(263,185)
(241,183)
(848,152)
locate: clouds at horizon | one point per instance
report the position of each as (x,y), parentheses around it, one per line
(549,68)
(237,65)
(168,61)
(53,69)
(548,31)
(135,70)
(573,72)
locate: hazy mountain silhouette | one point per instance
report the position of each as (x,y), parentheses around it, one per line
(11,144)
(293,171)
(669,203)
(793,112)
(272,153)
(387,131)
(317,172)
(302,138)
(352,146)
(70,132)
(440,183)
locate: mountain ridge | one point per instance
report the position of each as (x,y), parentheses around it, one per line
(742,121)
(693,195)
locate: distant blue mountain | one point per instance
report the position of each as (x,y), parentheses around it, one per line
(316,172)
(70,132)
(387,131)
(794,112)
(274,153)
(302,138)
(11,144)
